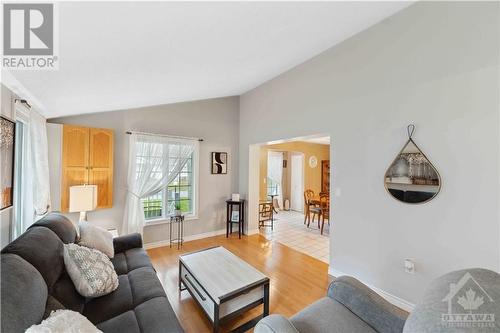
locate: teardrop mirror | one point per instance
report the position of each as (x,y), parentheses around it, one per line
(412,178)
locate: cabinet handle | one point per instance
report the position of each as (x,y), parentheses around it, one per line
(194,287)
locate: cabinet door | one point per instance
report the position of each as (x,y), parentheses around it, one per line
(101,165)
(75,156)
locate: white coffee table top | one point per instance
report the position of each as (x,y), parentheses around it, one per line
(220,272)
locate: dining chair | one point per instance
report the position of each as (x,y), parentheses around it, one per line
(316,211)
(266,215)
(324,205)
(308,196)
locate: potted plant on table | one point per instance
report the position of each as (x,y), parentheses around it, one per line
(178,211)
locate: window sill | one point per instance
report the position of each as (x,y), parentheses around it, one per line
(167,220)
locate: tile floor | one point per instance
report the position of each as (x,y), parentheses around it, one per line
(289,230)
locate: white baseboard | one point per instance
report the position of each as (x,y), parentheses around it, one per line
(166,242)
(397,301)
(253,232)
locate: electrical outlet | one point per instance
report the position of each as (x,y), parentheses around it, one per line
(409,266)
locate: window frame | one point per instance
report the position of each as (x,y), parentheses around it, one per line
(195,198)
(20,162)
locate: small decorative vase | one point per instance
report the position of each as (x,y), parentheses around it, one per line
(178,212)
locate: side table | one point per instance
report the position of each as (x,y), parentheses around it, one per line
(179,220)
(230,204)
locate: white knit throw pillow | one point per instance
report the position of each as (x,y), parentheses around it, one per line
(90,270)
(96,238)
(64,321)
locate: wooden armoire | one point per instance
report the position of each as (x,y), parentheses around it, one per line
(87,158)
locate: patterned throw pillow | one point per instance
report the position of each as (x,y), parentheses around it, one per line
(90,270)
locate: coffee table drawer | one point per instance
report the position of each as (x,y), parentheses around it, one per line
(197,292)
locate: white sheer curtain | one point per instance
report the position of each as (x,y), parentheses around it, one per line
(34,173)
(154,161)
(275,173)
(40,164)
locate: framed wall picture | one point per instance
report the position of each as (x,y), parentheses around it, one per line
(219,163)
(235,216)
(7,148)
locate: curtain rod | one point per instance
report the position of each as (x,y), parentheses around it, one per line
(22,101)
(164,135)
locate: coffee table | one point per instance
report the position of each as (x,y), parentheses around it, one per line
(223,285)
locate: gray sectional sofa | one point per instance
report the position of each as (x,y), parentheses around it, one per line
(352,307)
(349,306)
(34,282)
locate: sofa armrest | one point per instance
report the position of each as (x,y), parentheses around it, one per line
(127,242)
(367,305)
(275,323)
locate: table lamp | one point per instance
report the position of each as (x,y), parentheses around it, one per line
(82,198)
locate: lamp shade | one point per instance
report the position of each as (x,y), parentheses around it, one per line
(82,198)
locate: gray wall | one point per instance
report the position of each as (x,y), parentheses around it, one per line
(6,215)
(434,64)
(214,120)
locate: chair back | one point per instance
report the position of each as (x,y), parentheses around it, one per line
(324,203)
(308,195)
(265,211)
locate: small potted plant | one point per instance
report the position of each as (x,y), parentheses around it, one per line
(178,211)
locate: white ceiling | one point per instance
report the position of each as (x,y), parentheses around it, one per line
(117,55)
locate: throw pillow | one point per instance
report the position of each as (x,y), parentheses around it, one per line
(64,321)
(90,270)
(96,238)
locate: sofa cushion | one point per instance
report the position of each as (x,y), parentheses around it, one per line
(157,315)
(154,315)
(64,292)
(41,248)
(135,288)
(52,304)
(129,260)
(24,294)
(126,322)
(60,225)
(328,315)
(367,304)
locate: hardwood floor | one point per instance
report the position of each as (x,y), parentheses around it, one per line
(297,280)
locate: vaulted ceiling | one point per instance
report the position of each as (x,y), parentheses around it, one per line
(118,55)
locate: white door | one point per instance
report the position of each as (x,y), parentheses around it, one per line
(297,183)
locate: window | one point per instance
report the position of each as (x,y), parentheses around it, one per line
(18,178)
(274,173)
(180,192)
(273,187)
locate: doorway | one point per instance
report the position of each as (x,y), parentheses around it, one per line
(297,182)
(280,174)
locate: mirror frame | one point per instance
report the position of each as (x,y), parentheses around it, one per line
(410,140)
